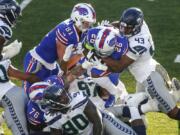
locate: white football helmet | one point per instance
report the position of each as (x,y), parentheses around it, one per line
(106,41)
(84,16)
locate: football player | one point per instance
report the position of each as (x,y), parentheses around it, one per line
(61,44)
(12,98)
(36,108)
(74,113)
(103,42)
(139,60)
(9,12)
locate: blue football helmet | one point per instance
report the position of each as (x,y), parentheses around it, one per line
(55,80)
(56,98)
(9,11)
(131,21)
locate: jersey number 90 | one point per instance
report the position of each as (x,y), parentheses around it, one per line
(78,122)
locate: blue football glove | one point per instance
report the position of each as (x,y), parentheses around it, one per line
(110,101)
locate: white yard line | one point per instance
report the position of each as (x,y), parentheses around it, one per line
(24,4)
(177,59)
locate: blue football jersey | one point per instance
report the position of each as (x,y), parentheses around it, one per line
(34,114)
(65,33)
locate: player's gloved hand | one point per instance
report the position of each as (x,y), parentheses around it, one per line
(103,23)
(110,101)
(89,55)
(78,49)
(11,50)
(71,50)
(68,52)
(87,64)
(98,64)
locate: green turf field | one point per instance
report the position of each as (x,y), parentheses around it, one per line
(162,17)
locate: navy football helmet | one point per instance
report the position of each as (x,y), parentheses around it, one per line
(131,21)
(9,11)
(56,98)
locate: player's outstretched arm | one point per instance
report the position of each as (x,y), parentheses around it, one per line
(16,73)
(94,116)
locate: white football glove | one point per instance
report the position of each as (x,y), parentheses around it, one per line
(87,64)
(97,64)
(68,52)
(71,50)
(103,23)
(79,49)
(89,55)
(11,50)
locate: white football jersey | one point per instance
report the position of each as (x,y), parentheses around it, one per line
(74,121)
(90,88)
(141,48)
(5,83)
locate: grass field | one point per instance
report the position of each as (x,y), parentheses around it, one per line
(162,17)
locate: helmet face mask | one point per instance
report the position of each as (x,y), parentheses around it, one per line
(56,98)
(125,30)
(10,11)
(131,21)
(84,16)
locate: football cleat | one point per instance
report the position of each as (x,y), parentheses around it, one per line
(175,89)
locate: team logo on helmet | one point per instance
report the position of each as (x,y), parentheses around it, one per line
(81,10)
(112,42)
